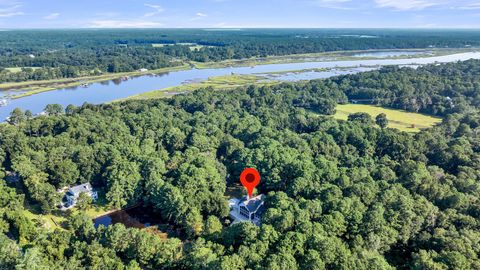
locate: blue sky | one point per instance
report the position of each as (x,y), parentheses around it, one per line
(239,13)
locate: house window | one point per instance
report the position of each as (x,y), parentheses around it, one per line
(244,212)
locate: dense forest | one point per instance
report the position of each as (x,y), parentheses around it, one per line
(340,194)
(52,54)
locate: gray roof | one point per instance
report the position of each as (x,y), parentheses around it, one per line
(253,204)
(76,190)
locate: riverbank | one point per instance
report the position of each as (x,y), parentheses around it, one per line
(330,56)
(172,83)
(29,88)
(217,83)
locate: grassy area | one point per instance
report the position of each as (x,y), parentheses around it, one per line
(402,120)
(160,45)
(220,82)
(57,219)
(18,69)
(192,46)
(49,221)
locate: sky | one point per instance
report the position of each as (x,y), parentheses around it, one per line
(239,14)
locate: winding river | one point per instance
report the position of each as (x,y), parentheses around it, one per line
(97,93)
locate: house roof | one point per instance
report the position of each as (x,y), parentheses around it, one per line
(76,190)
(253,204)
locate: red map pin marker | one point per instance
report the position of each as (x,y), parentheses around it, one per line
(250,179)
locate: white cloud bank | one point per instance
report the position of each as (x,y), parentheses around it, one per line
(124,24)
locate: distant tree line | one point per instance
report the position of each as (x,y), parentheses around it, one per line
(73,53)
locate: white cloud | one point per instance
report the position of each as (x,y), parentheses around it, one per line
(10,14)
(335,4)
(407,4)
(10,9)
(403,5)
(199,16)
(471,6)
(124,24)
(158,9)
(52,16)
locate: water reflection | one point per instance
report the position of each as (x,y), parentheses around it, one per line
(137,217)
(141,218)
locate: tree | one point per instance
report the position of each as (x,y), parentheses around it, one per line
(17,116)
(193,222)
(63,171)
(381,120)
(33,260)
(213,226)
(28,114)
(84,201)
(54,109)
(70,109)
(361,117)
(81,225)
(42,192)
(123,179)
(9,253)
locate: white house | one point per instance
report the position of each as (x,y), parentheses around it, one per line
(247,209)
(73,193)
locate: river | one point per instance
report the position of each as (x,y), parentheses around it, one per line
(102,92)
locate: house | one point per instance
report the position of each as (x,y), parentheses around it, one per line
(70,198)
(12,177)
(247,209)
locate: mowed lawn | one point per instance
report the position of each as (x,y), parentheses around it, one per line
(402,120)
(18,69)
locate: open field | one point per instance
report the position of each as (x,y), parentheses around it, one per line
(57,219)
(18,69)
(220,82)
(192,46)
(398,119)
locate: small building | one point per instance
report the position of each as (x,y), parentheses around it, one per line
(247,209)
(71,197)
(143,70)
(12,177)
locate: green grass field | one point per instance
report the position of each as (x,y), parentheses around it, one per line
(57,219)
(402,120)
(18,69)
